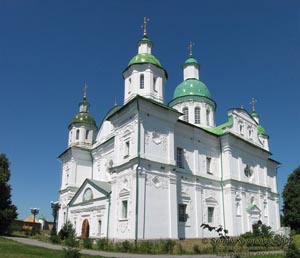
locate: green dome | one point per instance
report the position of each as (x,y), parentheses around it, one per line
(83,117)
(112,111)
(191,87)
(260,130)
(191,60)
(145,39)
(144,58)
(254,114)
(42,217)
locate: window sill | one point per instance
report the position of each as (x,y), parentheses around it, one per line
(123,219)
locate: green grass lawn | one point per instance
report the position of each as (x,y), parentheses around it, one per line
(12,249)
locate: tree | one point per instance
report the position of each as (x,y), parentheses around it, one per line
(8,211)
(291,201)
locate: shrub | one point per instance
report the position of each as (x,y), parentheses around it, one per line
(292,251)
(55,239)
(71,252)
(126,246)
(71,241)
(87,243)
(67,231)
(103,244)
(167,246)
(146,247)
(196,249)
(178,249)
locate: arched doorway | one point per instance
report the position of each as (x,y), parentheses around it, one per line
(85,230)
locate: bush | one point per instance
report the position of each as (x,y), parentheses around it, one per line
(167,246)
(103,244)
(196,249)
(146,247)
(127,246)
(71,252)
(292,251)
(55,239)
(87,243)
(178,249)
(67,231)
(71,241)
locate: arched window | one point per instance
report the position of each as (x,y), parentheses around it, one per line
(77,134)
(154,84)
(142,81)
(87,134)
(207,116)
(197,115)
(129,85)
(185,112)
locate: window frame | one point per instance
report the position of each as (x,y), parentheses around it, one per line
(126,148)
(197,112)
(142,81)
(179,157)
(77,134)
(210,215)
(208,165)
(207,117)
(124,210)
(185,112)
(182,215)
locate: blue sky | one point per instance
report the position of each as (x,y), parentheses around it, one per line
(49,49)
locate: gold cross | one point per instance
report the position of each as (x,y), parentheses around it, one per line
(146,20)
(191,48)
(252,102)
(84,90)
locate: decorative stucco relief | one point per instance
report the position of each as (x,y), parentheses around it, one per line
(157,181)
(156,138)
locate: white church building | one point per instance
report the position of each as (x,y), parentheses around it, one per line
(153,170)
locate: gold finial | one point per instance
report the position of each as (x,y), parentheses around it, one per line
(84,90)
(191,48)
(146,20)
(252,102)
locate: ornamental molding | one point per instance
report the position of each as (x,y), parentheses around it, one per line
(123,226)
(157,138)
(89,209)
(157,181)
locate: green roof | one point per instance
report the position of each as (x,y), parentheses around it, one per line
(260,130)
(254,114)
(83,117)
(113,110)
(219,130)
(191,87)
(144,58)
(84,102)
(42,217)
(145,39)
(191,60)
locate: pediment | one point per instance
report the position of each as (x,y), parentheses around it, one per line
(211,200)
(124,192)
(90,191)
(253,209)
(185,195)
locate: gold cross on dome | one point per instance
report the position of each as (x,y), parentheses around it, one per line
(146,20)
(84,90)
(252,102)
(191,48)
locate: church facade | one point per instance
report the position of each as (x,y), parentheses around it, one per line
(154,170)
